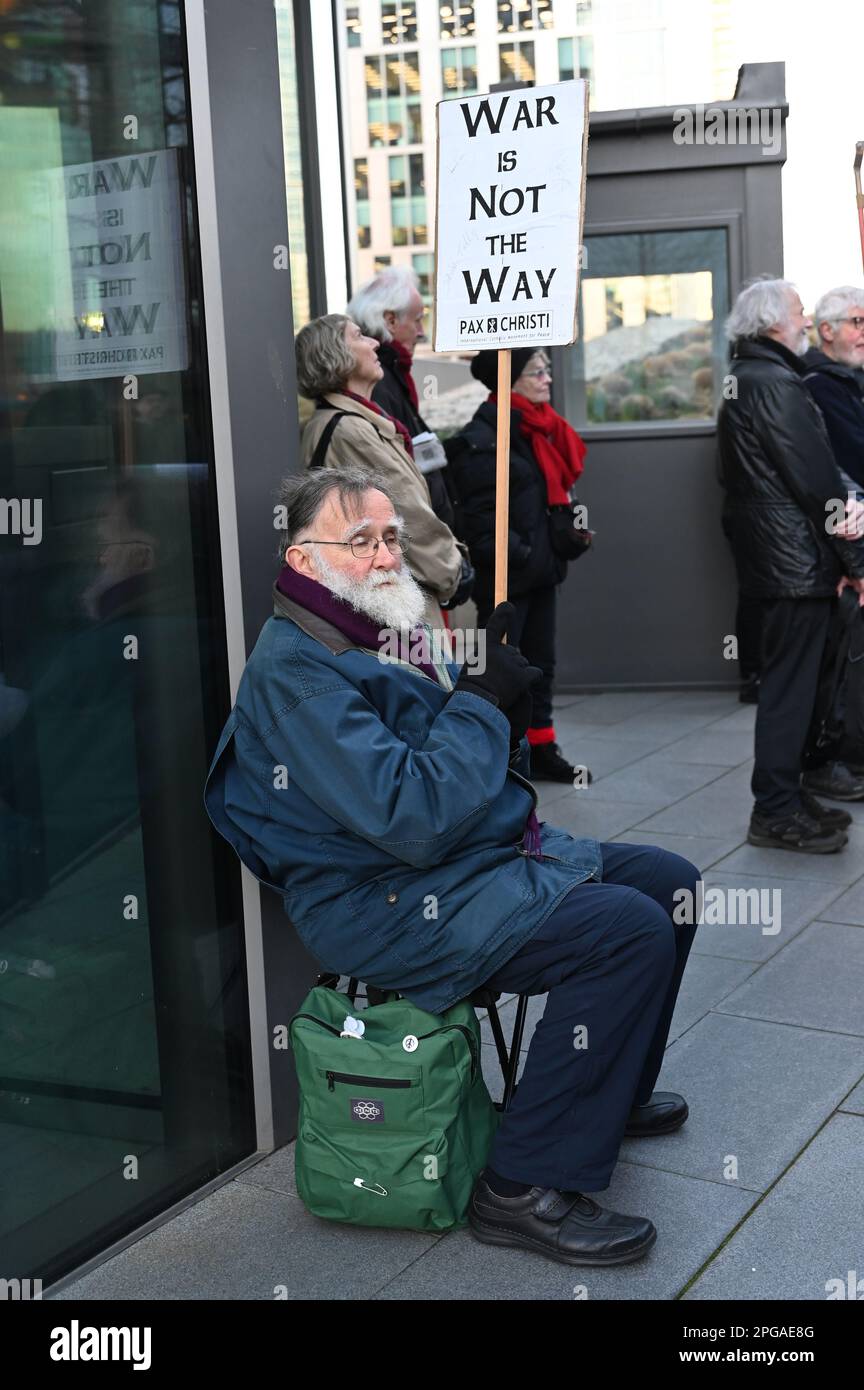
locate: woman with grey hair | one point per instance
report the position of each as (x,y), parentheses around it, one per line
(389,308)
(337,368)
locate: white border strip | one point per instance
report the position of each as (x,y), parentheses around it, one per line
(217,365)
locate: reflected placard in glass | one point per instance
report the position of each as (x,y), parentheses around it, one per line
(124,1030)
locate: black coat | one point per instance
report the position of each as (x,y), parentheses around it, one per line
(779,473)
(392,394)
(837,392)
(532,563)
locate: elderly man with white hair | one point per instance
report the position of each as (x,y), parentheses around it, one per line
(782,490)
(834,375)
(389,308)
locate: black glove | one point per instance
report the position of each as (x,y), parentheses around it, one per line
(507,676)
(519,715)
(463,589)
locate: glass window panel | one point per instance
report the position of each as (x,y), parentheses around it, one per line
(469,69)
(298,256)
(457,20)
(361,179)
(418,181)
(506,17)
(395,123)
(394,76)
(418,219)
(586,57)
(354,37)
(565,59)
(423,265)
(398,176)
(122,998)
(374,80)
(651,314)
(415,123)
(449,69)
(378,128)
(544,14)
(411,70)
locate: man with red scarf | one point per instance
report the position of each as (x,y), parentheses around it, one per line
(546,458)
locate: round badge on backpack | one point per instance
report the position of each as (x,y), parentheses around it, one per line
(410,1042)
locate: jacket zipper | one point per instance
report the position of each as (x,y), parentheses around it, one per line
(334,1076)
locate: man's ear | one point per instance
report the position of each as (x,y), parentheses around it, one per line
(296,557)
(389,318)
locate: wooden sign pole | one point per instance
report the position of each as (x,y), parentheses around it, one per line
(502,477)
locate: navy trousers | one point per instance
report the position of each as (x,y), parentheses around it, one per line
(612,960)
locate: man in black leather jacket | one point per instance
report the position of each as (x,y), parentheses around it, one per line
(783,492)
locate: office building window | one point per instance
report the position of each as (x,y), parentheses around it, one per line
(399,22)
(583,13)
(459,70)
(361,195)
(516,62)
(575,58)
(408,200)
(393,99)
(424,265)
(457,20)
(353,35)
(651,313)
(516,15)
(381,263)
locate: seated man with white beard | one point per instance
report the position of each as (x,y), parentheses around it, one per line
(357,784)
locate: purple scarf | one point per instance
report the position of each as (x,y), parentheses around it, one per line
(317,598)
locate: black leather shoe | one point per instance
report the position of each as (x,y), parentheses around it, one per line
(835,780)
(549,765)
(796,831)
(828,816)
(661,1114)
(565,1226)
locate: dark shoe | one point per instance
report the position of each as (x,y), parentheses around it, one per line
(749,691)
(548,765)
(661,1114)
(565,1226)
(827,816)
(796,831)
(835,780)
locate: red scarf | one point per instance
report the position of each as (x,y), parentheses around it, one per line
(402,365)
(558,450)
(370,405)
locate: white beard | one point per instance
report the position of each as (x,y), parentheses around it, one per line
(399,603)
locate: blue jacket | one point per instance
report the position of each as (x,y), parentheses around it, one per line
(382,808)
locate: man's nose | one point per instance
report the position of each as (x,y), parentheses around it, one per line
(384,560)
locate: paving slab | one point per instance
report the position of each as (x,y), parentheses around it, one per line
(244,1242)
(800,901)
(804,1235)
(588,812)
(725,747)
(757,1093)
(843,867)
(691,1217)
(855,1100)
(656,780)
(849,907)
(816,982)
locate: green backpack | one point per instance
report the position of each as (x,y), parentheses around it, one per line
(395,1124)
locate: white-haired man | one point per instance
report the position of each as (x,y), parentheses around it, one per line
(782,485)
(389,307)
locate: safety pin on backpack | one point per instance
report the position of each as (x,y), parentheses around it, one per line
(371,1187)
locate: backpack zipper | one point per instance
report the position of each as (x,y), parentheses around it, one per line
(461,1027)
(382,1081)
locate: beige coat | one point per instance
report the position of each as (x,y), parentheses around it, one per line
(373,442)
